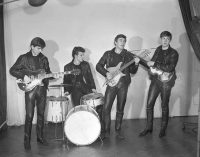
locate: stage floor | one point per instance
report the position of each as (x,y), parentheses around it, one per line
(177,143)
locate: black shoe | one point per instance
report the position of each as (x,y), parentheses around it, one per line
(104,135)
(162,133)
(145,132)
(27,145)
(119,135)
(42,141)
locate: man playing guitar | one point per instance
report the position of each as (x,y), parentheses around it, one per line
(109,66)
(23,68)
(165,59)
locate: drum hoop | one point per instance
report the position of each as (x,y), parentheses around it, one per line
(73,109)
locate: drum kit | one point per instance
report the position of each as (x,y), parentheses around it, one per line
(81,125)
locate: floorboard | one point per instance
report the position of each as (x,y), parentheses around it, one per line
(177,143)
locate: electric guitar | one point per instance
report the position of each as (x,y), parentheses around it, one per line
(161,75)
(37,77)
(116,73)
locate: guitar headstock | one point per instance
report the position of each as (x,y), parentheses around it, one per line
(75,71)
(144,53)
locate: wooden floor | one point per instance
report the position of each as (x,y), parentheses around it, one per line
(177,143)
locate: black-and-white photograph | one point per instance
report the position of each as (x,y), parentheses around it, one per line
(99,78)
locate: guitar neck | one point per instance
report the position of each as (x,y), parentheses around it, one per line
(43,76)
(126,65)
(143,61)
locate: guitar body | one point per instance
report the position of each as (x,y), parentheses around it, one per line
(28,86)
(116,75)
(162,76)
(37,77)
(34,81)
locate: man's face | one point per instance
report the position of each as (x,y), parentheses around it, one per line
(165,41)
(36,50)
(120,43)
(80,56)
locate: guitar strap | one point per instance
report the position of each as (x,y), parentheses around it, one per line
(107,60)
(122,54)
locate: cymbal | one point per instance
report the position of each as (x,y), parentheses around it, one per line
(92,96)
(60,98)
(60,85)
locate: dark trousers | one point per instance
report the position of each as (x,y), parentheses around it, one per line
(120,90)
(37,97)
(155,89)
(76,96)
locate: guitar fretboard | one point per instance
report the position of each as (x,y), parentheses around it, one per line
(43,76)
(126,65)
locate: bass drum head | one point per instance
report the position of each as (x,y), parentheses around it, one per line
(82,125)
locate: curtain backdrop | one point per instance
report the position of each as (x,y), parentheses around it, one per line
(3,91)
(190,13)
(64,29)
(192,24)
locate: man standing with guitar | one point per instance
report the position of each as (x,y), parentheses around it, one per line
(116,65)
(164,59)
(24,68)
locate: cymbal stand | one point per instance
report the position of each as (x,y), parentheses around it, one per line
(63,116)
(100,121)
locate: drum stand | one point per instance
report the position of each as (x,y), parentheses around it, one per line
(62,121)
(61,99)
(63,118)
(100,121)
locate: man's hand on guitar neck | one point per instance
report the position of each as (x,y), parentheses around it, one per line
(137,60)
(26,79)
(94,90)
(57,75)
(150,63)
(109,75)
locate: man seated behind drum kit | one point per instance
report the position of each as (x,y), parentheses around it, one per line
(81,84)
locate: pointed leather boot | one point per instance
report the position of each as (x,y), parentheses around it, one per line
(162,133)
(27,131)
(39,130)
(118,121)
(120,135)
(149,125)
(27,144)
(164,123)
(145,132)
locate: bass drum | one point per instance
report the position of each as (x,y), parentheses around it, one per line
(82,125)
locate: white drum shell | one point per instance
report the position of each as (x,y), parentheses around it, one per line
(82,125)
(56,110)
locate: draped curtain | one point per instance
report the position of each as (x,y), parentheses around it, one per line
(191,18)
(3,92)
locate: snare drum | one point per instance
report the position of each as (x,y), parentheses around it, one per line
(92,99)
(56,109)
(82,125)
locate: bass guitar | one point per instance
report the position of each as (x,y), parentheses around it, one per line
(161,75)
(37,77)
(116,72)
